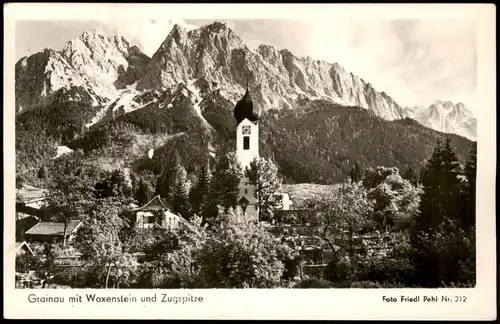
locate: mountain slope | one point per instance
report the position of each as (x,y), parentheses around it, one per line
(321,142)
(316,143)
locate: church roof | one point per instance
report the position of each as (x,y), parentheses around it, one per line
(157,203)
(245,109)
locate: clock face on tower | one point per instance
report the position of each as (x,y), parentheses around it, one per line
(246,130)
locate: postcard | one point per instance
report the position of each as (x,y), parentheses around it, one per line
(249,161)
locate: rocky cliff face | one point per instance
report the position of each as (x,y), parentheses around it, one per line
(446,117)
(94,61)
(113,73)
(214,54)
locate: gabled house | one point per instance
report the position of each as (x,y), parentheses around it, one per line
(50,231)
(23,225)
(24,248)
(24,256)
(157,212)
(29,200)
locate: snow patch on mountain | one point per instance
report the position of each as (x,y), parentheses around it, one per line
(196,100)
(61,150)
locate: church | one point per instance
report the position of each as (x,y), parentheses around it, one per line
(247,149)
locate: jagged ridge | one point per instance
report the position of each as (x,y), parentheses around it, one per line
(277,78)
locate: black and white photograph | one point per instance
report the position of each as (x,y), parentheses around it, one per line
(223,152)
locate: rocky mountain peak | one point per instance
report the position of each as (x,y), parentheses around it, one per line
(277,78)
(444,116)
(216,27)
(95,61)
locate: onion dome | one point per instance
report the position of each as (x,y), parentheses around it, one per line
(245,109)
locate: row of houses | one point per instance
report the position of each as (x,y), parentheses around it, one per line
(30,225)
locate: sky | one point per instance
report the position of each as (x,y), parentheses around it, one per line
(416,62)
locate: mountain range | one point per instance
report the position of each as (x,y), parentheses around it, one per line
(112,69)
(190,85)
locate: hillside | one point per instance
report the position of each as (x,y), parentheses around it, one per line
(316,143)
(321,142)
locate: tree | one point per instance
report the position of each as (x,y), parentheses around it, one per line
(372,177)
(115,184)
(438,219)
(98,239)
(411,176)
(451,184)
(199,194)
(42,173)
(441,188)
(144,190)
(166,181)
(468,213)
(171,260)
(224,185)
(19,181)
(396,202)
(142,193)
(69,196)
(356,173)
(180,194)
(386,258)
(263,174)
(344,216)
(241,254)
(234,253)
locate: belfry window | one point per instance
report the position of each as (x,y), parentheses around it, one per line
(246,142)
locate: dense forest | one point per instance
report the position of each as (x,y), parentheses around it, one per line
(322,141)
(40,130)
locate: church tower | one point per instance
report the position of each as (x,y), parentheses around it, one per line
(247,148)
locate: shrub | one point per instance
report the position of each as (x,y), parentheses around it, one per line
(376,284)
(314,283)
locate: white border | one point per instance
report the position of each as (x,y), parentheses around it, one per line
(277,303)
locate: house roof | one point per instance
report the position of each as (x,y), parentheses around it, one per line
(24,209)
(157,203)
(53,228)
(29,193)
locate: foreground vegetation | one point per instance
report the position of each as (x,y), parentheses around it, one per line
(383,229)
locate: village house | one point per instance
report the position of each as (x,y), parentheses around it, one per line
(23,248)
(24,256)
(29,200)
(50,231)
(23,225)
(157,212)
